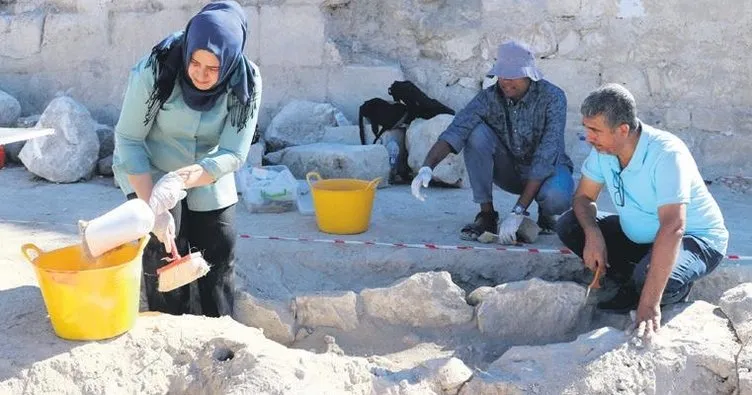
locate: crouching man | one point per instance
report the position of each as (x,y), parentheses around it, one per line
(668,231)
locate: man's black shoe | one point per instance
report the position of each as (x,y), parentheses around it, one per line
(626,299)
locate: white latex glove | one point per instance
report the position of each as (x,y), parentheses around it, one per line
(508,228)
(422,178)
(167,192)
(164,229)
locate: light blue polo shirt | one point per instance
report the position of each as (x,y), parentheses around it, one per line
(662,171)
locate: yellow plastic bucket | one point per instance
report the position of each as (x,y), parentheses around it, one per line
(342,205)
(89,300)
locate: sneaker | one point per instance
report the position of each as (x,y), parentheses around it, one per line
(626,299)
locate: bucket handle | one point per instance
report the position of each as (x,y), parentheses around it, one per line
(373,184)
(143,242)
(31,252)
(310,177)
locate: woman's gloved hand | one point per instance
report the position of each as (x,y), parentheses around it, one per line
(164,229)
(167,192)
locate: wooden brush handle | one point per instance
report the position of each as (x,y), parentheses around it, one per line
(174,250)
(596,283)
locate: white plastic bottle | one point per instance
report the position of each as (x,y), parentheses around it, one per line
(130,221)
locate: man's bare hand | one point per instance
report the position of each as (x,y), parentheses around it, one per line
(595,254)
(647,321)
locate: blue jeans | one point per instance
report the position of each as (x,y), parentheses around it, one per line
(488,162)
(630,261)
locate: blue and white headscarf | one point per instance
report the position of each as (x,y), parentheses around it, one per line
(220,28)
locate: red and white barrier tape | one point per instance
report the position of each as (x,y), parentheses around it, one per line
(432,246)
(425,246)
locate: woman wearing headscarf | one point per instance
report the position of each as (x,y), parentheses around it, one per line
(187,122)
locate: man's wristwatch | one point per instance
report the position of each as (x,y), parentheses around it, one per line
(518,209)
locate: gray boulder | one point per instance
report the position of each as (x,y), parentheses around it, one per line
(71,153)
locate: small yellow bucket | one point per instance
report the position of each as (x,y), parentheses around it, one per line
(89,300)
(343,205)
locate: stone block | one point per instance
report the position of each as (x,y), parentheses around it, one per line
(253,43)
(421,136)
(541,37)
(633,78)
(285,84)
(88,32)
(577,78)
(713,119)
(133,34)
(564,8)
(569,43)
(106,136)
(352,85)
(301,122)
(273,317)
(335,311)
(462,48)
(364,162)
(531,311)
(701,364)
(348,134)
(736,303)
(721,155)
(422,300)
(631,9)
(21,34)
(744,368)
(10,109)
(193,6)
(677,118)
(292,36)
(104,166)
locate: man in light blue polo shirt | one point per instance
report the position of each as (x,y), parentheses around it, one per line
(668,231)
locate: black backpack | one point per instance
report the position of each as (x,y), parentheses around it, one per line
(419,105)
(382,115)
(411,103)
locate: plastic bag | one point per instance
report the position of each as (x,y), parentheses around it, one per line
(270,189)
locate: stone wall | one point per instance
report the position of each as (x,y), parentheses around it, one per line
(688,63)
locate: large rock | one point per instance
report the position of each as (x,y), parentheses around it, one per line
(104,166)
(348,134)
(421,135)
(736,303)
(21,34)
(534,311)
(744,367)
(10,109)
(274,318)
(106,135)
(422,300)
(336,311)
(364,162)
(71,153)
(693,354)
(302,122)
(12,150)
(726,276)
